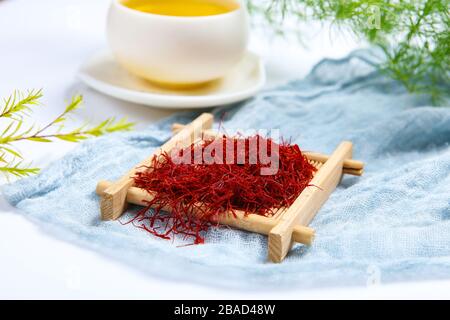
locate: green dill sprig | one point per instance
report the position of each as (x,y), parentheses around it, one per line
(19,105)
(414,34)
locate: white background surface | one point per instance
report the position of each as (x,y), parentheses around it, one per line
(42,43)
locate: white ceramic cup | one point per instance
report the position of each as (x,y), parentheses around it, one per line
(177,50)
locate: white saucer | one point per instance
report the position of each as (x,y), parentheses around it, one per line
(102,73)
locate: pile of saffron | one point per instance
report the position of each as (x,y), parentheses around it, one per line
(189,197)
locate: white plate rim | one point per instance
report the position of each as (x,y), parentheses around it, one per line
(172,101)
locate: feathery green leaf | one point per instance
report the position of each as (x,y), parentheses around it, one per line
(414,34)
(18,105)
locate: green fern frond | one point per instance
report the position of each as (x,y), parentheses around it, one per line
(413,34)
(18,105)
(74,104)
(18,170)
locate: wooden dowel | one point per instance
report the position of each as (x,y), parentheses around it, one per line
(252,222)
(352,167)
(207,134)
(353,172)
(305,207)
(349,164)
(113,201)
(176,127)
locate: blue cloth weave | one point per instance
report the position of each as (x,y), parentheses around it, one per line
(392,224)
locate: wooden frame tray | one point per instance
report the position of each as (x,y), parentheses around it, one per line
(286,227)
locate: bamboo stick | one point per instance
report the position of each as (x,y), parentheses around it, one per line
(252,222)
(305,207)
(207,134)
(349,164)
(113,201)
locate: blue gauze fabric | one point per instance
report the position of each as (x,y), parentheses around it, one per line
(392,224)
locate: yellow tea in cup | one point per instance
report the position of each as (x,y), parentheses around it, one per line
(183,8)
(178,43)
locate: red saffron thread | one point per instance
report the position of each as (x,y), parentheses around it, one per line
(221,187)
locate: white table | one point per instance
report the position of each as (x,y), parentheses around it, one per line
(42,43)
